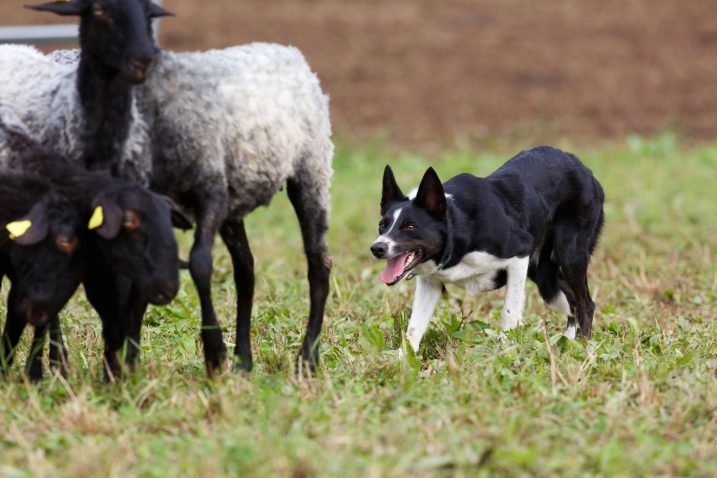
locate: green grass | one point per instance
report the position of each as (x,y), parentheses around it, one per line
(639,399)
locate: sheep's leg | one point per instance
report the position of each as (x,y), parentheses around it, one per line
(58,352)
(200,267)
(234,236)
(14,326)
(311,206)
(108,292)
(33,366)
(134,313)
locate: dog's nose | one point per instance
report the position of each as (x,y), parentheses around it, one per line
(379,249)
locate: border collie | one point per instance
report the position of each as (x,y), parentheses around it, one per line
(538,216)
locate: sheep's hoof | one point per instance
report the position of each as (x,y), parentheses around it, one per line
(112,371)
(59,364)
(35,373)
(243,363)
(307,362)
(59,367)
(215,361)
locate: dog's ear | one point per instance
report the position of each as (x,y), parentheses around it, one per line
(70,7)
(391,191)
(430,195)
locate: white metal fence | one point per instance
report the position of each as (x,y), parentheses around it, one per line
(62,33)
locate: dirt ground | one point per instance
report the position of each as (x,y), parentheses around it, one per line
(439,71)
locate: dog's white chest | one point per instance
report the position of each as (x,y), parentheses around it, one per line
(476,272)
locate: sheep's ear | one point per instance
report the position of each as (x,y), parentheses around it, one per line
(430,195)
(60,7)
(391,192)
(30,229)
(155,11)
(106,217)
(179,219)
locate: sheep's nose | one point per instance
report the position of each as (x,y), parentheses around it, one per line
(379,249)
(141,63)
(165,294)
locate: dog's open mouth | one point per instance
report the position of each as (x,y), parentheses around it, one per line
(400,265)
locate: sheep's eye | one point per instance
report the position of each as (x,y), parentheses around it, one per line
(130,220)
(99,12)
(408,227)
(66,244)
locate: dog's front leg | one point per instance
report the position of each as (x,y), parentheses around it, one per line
(428,291)
(517,271)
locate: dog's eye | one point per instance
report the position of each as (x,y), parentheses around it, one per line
(381,226)
(408,227)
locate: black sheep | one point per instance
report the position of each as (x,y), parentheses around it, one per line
(43,253)
(131,236)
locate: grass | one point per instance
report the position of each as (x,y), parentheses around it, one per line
(639,399)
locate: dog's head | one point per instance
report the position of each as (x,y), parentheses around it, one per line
(412,230)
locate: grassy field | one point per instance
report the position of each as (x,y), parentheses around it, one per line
(639,399)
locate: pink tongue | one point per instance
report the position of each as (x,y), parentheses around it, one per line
(394,268)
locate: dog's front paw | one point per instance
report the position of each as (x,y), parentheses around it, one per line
(511,321)
(395,353)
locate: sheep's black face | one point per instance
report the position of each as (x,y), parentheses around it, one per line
(47,262)
(138,241)
(116,34)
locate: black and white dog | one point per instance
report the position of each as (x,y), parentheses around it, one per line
(538,216)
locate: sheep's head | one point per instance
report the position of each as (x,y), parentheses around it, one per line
(116,34)
(136,238)
(45,256)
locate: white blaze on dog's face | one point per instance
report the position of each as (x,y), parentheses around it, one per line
(411,231)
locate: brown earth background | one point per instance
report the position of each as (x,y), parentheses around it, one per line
(420,72)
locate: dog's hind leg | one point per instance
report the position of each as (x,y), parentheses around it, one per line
(572,255)
(555,292)
(233,234)
(309,194)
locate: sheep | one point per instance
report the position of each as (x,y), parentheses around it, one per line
(225,129)
(41,252)
(250,119)
(131,246)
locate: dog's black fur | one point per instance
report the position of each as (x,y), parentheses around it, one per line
(543,204)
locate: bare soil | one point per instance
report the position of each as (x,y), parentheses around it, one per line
(430,71)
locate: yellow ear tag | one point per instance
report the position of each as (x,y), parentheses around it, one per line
(96,219)
(18,228)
